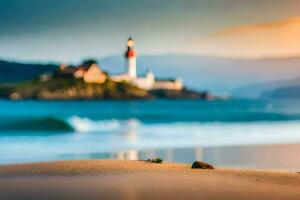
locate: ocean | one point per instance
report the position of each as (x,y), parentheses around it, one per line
(231,133)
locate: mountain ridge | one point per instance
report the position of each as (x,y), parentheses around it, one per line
(264,89)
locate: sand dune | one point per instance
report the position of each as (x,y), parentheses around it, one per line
(110,179)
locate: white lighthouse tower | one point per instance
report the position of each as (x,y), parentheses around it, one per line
(146,82)
(130,56)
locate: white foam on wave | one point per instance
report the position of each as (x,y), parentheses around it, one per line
(216,134)
(88,125)
(83,124)
(193,133)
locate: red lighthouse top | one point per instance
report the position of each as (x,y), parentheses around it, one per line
(130,51)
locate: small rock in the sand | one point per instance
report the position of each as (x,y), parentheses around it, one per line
(201,165)
(155,160)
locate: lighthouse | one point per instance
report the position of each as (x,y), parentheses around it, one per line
(146,81)
(130,56)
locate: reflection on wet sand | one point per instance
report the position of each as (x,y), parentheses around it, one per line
(277,157)
(127,155)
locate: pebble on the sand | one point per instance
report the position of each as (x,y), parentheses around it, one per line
(201,165)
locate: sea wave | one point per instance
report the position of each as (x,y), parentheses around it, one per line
(35,124)
(71,124)
(84,124)
(156,135)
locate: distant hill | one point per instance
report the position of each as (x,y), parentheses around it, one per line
(12,71)
(265,89)
(288,92)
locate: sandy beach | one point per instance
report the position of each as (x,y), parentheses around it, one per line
(111,179)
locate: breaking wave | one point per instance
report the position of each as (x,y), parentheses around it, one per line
(74,123)
(84,124)
(181,134)
(87,125)
(35,124)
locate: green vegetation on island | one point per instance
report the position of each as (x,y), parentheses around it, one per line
(63,88)
(69,88)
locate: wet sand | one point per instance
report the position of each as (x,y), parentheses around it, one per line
(111,179)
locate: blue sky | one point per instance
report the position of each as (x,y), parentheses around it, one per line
(71,30)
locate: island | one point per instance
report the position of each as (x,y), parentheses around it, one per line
(67,88)
(87,81)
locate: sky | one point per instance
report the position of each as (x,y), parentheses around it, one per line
(72,30)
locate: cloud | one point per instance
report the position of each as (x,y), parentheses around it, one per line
(274,39)
(69,30)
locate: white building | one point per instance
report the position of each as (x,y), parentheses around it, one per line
(146,82)
(176,84)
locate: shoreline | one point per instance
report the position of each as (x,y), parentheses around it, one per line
(113,179)
(251,156)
